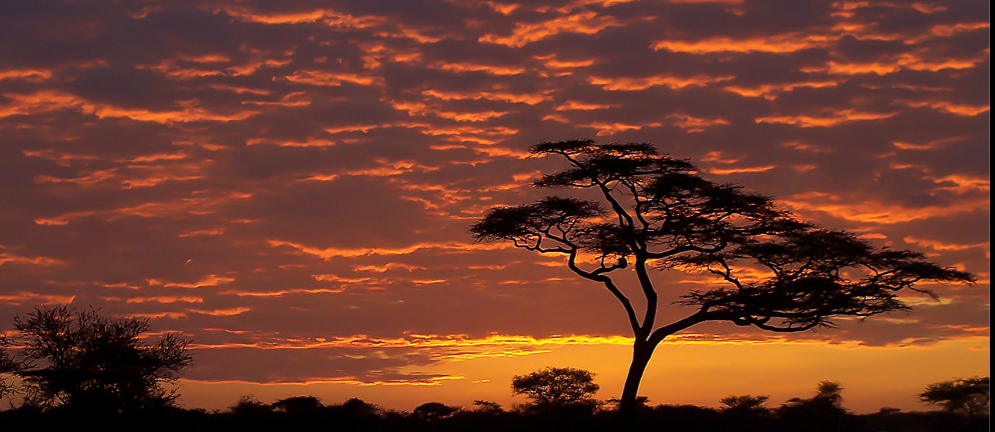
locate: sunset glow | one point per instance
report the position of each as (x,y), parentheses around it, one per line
(289,185)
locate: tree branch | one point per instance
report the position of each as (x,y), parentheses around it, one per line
(661,333)
(610,284)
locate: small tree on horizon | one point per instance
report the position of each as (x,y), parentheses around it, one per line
(554,388)
(655,211)
(745,404)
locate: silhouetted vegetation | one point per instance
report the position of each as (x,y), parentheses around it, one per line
(968,396)
(822,411)
(557,390)
(655,211)
(80,361)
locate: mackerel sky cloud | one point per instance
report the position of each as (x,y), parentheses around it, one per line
(289,184)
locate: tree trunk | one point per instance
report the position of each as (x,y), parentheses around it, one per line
(642,351)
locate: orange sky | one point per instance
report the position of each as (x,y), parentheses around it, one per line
(289,184)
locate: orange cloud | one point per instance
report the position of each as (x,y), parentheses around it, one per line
(59,158)
(786,43)
(89,179)
(570,105)
(310,142)
(329,253)
(962,183)
(281,293)
(410,33)
(612,128)
(550,61)
(947,30)
(741,170)
(25,297)
(944,246)
(949,107)
(476,67)
(587,23)
(526,98)
(772,91)
(894,64)
(29,75)
(165,299)
(207,281)
(832,119)
(332,79)
(388,266)
(864,211)
(7,257)
(806,147)
(198,205)
(220,312)
(327,16)
(672,82)
(931,145)
(157,315)
(694,124)
(421,109)
(386,169)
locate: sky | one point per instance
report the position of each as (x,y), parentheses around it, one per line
(289,184)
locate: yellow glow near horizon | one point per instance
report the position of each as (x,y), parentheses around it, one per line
(681,373)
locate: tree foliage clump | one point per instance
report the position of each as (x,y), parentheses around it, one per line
(8,366)
(553,388)
(969,396)
(772,271)
(746,404)
(82,360)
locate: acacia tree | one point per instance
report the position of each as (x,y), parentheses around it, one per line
(555,388)
(80,359)
(655,211)
(968,395)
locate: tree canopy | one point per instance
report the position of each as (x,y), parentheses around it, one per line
(80,359)
(970,396)
(772,271)
(557,388)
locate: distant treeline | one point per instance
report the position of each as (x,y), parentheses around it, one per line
(307,413)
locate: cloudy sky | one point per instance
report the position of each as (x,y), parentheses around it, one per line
(289,184)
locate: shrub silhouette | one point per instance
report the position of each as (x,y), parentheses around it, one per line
(298,405)
(83,361)
(822,412)
(433,411)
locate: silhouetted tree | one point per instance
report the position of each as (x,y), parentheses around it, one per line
(251,413)
(299,405)
(970,396)
(824,411)
(487,407)
(657,210)
(554,388)
(433,411)
(8,367)
(358,407)
(745,404)
(81,359)
(746,413)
